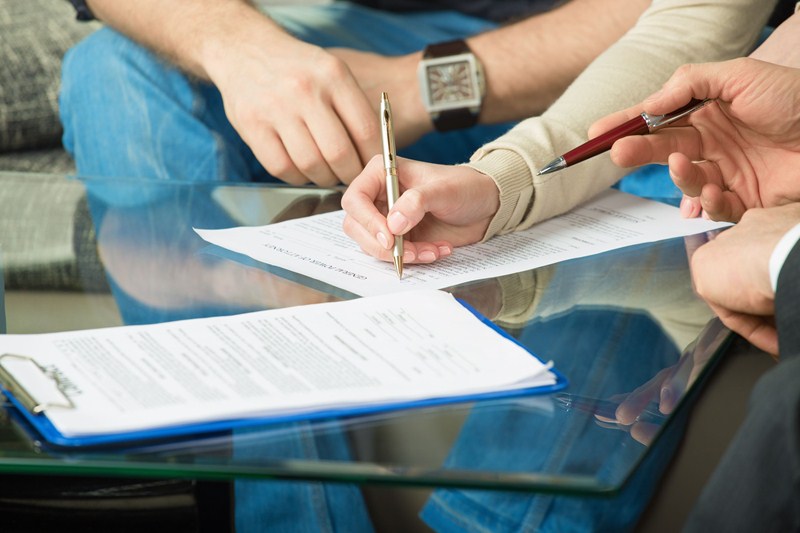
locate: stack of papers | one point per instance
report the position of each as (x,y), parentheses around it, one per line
(370,354)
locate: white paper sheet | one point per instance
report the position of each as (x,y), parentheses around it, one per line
(317,247)
(367,351)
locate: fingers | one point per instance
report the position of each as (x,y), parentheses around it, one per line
(365,204)
(316,150)
(698,81)
(311,124)
(690,207)
(378,247)
(336,145)
(637,401)
(702,184)
(270,152)
(361,122)
(644,432)
(757,330)
(304,152)
(640,150)
(691,177)
(613,120)
(721,205)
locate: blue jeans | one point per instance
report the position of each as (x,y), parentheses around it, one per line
(126,113)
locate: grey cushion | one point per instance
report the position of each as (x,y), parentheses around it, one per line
(35,36)
(47,238)
(47,160)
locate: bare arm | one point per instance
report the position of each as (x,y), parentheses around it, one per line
(298,107)
(191,33)
(527,64)
(530,63)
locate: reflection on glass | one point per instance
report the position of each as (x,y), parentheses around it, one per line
(622,326)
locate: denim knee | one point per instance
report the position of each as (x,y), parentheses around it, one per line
(129,114)
(91,77)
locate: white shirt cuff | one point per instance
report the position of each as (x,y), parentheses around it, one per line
(780,253)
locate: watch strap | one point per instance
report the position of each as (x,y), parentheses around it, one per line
(450,119)
(454,119)
(447,48)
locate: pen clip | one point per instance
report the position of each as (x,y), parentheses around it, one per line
(655,122)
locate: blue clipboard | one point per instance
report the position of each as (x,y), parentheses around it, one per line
(35,413)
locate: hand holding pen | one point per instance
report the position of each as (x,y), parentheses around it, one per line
(741,152)
(606,409)
(641,124)
(441,207)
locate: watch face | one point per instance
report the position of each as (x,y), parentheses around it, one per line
(450,82)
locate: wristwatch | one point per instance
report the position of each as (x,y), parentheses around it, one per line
(452,84)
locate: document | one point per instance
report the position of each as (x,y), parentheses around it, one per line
(358,355)
(318,248)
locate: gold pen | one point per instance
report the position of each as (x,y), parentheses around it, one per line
(392,187)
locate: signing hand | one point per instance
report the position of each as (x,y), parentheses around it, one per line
(742,151)
(440,207)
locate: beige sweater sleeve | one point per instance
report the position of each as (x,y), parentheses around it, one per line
(669,34)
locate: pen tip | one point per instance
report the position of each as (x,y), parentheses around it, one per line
(552,166)
(398,266)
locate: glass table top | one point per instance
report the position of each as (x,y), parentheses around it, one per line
(623,326)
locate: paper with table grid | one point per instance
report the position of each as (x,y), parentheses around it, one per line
(318,248)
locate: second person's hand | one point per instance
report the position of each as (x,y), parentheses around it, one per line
(731,273)
(741,152)
(396,76)
(440,207)
(297,107)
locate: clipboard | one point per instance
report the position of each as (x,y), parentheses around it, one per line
(32,391)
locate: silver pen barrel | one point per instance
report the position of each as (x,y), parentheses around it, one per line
(390,165)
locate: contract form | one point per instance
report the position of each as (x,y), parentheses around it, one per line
(317,247)
(329,359)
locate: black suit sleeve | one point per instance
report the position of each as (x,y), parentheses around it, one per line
(787,305)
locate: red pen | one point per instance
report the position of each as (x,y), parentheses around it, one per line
(640,125)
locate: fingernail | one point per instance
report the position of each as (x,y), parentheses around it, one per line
(445,251)
(427,256)
(383,240)
(408,256)
(686,208)
(397,222)
(666,398)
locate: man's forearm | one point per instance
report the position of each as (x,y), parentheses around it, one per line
(530,63)
(190,33)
